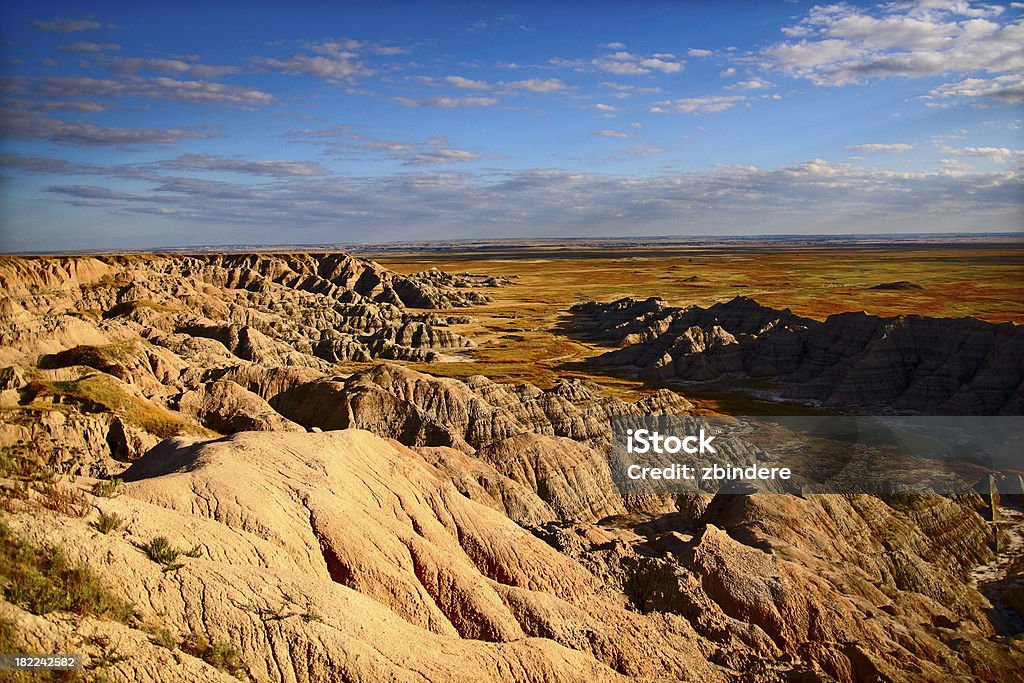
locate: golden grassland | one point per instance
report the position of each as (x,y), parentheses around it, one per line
(522,335)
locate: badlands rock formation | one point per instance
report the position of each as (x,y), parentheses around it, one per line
(435,529)
(910,363)
(263,308)
(107,355)
(344,556)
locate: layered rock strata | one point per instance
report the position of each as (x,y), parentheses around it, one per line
(911,363)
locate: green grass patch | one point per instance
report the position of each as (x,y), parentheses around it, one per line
(43,580)
(108,523)
(98,392)
(107,488)
(23,461)
(161,551)
(221,655)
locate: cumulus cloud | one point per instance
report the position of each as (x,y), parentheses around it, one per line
(841,44)
(698,105)
(751,84)
(624,63)
(1006,89)
(612,134)
(699,52)
(888,148)
(999,155)
(466,83)
(601,106)
(66,25)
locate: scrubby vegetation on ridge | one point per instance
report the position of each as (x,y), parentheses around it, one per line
(43,580)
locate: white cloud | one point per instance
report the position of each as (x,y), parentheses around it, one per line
(999,155)
(336,61)
(698,105)
(698,52)
(662,65)
(466,83)
(612,134)
(447,102)
(840,44)
(601,106)
(752,84)
(160,87)
(627,90)
(728,73)
(537,85)
(1006,89)
(816,196)
(888,148)
(625,63)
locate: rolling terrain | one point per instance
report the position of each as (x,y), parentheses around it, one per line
(314,466)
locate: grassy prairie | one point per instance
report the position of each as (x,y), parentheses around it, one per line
(519,331)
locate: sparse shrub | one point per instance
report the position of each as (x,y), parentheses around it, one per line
(108,656)
(43,580)
(221,655)
(165,639)
(108,522)
(64,500)
(22,461)
(161,551)
(107,488)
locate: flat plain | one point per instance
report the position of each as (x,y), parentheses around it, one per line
(524,333)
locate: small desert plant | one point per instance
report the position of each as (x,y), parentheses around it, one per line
(165,639)
(21,461)
(64,500)
(108,522)
(108,655)
(43,580)
(107,488)
(162,552)
(221,655)
(287,609)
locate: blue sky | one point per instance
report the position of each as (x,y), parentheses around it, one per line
(134,125)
